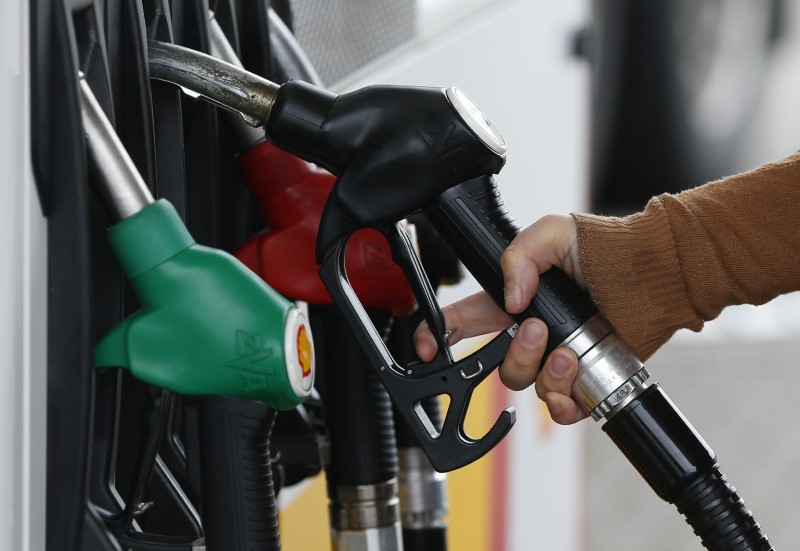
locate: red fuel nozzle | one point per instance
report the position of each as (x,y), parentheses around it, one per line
(292,194)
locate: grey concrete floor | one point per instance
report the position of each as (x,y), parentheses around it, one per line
(736,381)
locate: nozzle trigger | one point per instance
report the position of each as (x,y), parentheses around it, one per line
(450,447)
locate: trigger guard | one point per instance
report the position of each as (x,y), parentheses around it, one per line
(449,448)
(404,255)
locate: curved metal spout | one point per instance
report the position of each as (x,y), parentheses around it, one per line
(247,136)
(119,185)
(200,75)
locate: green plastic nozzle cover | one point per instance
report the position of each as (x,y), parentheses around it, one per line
(207,324)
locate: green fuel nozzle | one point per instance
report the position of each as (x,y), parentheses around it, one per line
(207,324)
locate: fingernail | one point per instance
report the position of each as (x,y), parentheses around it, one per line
(554,407)
(559,365)
(513,295)
(532,333)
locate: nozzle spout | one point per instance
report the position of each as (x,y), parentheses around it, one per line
(247,136)
(200,75)
(118,183)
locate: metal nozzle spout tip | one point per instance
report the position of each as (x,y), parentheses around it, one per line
(200,75)
(117,181)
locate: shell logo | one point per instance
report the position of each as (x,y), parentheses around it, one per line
(299,349)
(304,351)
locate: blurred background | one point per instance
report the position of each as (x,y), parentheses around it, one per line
(605,104)
(714,86)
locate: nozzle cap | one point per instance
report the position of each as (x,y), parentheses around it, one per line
(151,236)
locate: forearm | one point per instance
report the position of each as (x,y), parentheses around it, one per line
(687,256)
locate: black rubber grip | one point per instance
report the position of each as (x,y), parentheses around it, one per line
(475,223)
(682,469)
(239,508)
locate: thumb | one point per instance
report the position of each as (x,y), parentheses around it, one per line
(551,241)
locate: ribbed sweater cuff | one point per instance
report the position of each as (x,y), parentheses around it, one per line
(632,271)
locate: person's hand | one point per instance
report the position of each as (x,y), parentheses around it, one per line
(551,241)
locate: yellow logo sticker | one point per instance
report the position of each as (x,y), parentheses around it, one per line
(304,350)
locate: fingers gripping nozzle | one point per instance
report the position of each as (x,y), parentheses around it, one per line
(206,324)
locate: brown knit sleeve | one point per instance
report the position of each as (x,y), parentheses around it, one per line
(686,257)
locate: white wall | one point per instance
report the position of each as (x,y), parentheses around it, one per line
(23,294)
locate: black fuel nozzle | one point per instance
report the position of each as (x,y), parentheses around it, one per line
(420,140)
(397,150)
